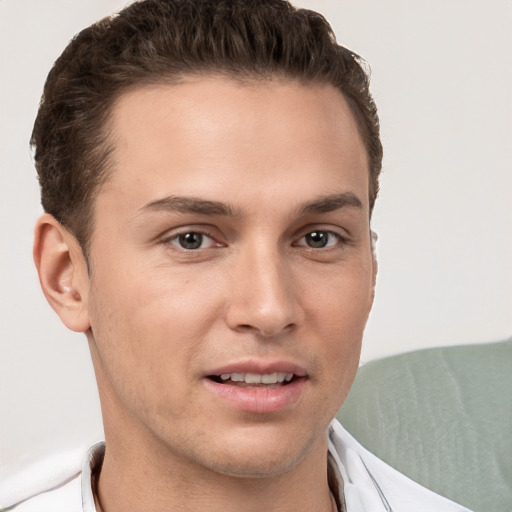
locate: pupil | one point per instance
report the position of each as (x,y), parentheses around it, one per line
(191,240)
(317,239)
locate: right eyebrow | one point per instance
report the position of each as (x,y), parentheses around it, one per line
(183,204)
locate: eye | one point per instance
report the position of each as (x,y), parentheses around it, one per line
(192,240)
(319,239)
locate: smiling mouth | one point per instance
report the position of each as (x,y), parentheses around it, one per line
(255,380)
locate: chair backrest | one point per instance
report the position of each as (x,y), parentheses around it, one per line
(443,417)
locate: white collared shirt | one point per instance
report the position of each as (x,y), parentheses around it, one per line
(369,484)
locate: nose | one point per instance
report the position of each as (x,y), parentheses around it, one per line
(264,294)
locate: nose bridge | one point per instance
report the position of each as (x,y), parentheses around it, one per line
(263,297)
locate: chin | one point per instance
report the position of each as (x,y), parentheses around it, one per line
(260,452)
(256,465)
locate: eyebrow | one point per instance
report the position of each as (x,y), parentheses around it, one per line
(326,204)
(189,205)
(323,204)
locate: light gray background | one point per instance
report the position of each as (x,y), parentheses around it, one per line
(442,77)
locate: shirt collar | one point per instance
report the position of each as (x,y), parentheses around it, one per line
(90,470)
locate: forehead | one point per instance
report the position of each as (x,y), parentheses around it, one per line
(210,134)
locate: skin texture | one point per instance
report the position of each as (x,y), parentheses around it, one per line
(160,318)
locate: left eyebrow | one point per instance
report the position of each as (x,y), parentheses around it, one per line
(326,204)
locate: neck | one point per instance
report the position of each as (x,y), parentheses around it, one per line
(141,480)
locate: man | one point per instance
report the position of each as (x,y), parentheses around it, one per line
(208,171)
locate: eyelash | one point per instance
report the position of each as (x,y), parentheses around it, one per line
(174,240)
(338,239)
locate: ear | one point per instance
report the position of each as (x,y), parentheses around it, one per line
(62,271)
(375,265)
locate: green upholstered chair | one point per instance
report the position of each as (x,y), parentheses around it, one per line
(443,417)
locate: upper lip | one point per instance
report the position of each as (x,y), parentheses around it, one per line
(259,367)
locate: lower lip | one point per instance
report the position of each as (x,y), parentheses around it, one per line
(258,400)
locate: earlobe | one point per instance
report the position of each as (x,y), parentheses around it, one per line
(62,272)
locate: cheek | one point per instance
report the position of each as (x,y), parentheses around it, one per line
(141,354)
(338,311)
(343,299)
(147,323)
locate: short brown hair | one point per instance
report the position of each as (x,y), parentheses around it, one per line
(154,41)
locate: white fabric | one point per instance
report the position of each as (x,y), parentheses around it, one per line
(370,485)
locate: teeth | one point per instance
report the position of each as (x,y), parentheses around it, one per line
(255,378)
(269,378)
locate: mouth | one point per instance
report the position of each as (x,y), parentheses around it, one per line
(258,387)
(255,380)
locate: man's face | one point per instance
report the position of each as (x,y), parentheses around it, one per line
(231,245)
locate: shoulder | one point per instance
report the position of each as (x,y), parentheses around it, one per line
(50,485)
(66,497)
(366,477)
